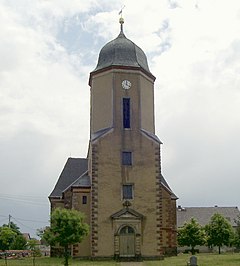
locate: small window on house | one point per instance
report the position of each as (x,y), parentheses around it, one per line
(126,113)
(126,158)
(127,191)
(84,199)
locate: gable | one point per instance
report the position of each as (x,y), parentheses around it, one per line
(81,182)
(127,213)
(73,169)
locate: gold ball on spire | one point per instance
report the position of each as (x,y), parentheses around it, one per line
(121,20)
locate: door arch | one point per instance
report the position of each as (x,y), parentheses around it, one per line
(127,241)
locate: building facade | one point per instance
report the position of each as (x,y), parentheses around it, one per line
(127,202)
(203,216)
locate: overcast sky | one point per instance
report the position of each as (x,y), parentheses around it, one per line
(49,47)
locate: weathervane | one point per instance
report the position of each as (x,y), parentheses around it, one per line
(120,12)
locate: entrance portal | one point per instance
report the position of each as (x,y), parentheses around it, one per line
(127,242)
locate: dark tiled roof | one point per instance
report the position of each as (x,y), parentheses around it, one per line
(122,52)
(74,174)
(73,169)
(204,214)
(82,181)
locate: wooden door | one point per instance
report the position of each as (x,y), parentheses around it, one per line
(127,242)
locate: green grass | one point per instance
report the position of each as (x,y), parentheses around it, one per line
(203,260)
(181,260)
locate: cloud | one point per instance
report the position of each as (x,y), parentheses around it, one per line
(44,109)
(197,106)
(173,4)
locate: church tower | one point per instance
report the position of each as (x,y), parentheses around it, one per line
(119,186)
(133,210)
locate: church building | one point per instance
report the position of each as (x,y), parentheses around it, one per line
(119,187)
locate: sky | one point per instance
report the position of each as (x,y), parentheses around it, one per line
(49,47)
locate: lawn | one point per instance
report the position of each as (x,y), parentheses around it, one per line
(181,260)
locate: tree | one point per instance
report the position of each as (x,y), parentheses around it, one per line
(219,232)
(191,235)
(19,242)
(14,227)
(7,236)
(236,241)
(66,228)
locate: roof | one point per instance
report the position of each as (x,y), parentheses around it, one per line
(122,52)
(72,171)
(100,133)
(75,174)
(151,135)
(203,214)
(165,184)
(82,181)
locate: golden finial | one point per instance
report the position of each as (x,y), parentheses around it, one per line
(121,20)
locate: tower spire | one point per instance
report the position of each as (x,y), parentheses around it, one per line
(121,20)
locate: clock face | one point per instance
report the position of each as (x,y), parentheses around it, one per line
(126,84)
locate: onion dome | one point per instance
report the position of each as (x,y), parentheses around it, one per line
(122,52)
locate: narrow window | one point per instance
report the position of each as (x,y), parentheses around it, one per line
(126,158)
(126,113)
(84,199)
(127,191)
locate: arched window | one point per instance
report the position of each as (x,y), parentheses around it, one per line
(126,230)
